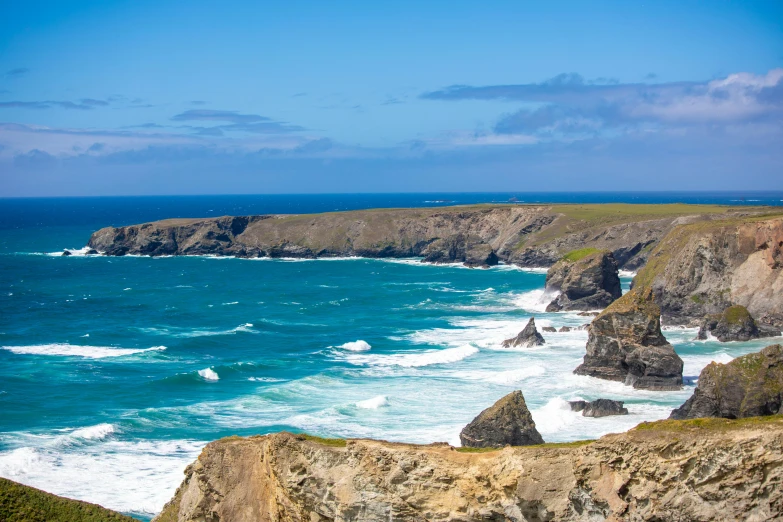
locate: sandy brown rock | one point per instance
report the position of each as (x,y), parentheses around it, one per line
(507,422)
(748,386)
(625,344)
(713,470)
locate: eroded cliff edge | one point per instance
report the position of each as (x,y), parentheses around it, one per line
(477,235)
(704,469)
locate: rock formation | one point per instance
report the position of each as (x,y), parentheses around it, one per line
(528,337)
(587,279)
(625,344)
(703,268)
(550,329)
(599,408)
(734,324)
(748,386)
(564,329)
(478,235)
(716,470)
(507,422)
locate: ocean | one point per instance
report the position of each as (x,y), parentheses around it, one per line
(115,372)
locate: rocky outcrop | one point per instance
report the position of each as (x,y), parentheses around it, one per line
(550,329)
(479,235)
(734,324)
(625,344)
(707,470)
(703,268)
(586,279)
(748,386)
(507,422)
(528,337)
(599,408)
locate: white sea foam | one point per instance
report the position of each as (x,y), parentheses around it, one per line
(535,300)
(75,252)
(415,359)
(208,374)
(231,303)
(264,379)
(373,404)
(503,377)
(135,477)
(71,350)
(356,346)
(97,432)
(176,332)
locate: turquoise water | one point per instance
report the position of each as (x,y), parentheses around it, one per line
(114,372)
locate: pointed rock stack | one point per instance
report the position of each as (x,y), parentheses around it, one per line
(508,421)
(528,337)
(587,279)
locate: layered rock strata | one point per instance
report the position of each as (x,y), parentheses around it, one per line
(507,422)
(625,344)
(748,386)
(710,470)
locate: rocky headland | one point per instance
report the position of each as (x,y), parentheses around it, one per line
(670,470)
(478,235)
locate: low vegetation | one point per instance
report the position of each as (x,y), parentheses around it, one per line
(19,503)
(578,255)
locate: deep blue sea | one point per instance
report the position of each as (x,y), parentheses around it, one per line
(114,372)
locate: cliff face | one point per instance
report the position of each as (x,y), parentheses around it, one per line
(704,268)
(671,470)
(477,235)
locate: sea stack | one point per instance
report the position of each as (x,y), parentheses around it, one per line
(625,344)
(748,386)
(528,337)
(587,279)
(507,422)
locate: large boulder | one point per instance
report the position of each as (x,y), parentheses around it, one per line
(528,337)
(599,408)
(734,324)
(625,344)
(507,422)
(748,386)
(587,279)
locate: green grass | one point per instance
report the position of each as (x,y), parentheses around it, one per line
(335,443)
(713,424)
(697,299)
(20,503)
(736,314)
(465,449)
(577,255)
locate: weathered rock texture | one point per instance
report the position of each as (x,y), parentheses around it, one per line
(707,470)
(748,386)
(528,337)
(477,235)
(625,344)
(586,280)
(508,421)
(704,268)
(734,324)
(599,408)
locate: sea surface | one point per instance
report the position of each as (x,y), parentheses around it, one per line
(114,372)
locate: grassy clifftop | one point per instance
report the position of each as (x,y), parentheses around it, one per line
(19,503)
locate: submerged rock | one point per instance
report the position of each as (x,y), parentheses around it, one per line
(748,386)
(66,253)
(529,336)
(564,329)
(599,408)
(586,279)
(507,422)
(550,329)
(625,344)
(734,324)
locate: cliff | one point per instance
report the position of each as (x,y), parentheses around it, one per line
(703,268)
(698,470)
(477,235)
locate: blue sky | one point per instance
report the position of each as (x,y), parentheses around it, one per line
(192,97)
